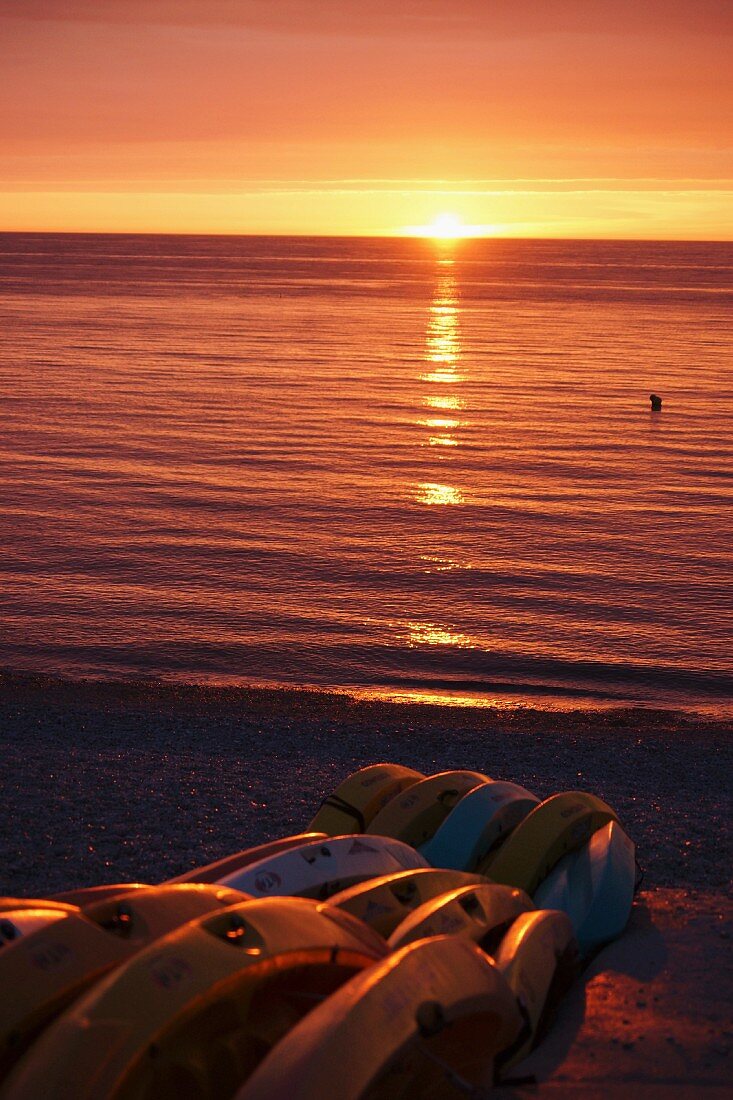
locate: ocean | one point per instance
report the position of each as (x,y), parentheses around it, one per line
(406,468)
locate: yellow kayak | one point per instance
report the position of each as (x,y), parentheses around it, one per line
(8,903)
(433,1013)
(194,1013)
(27,919)
(416,815)
(539,959)
(88,895)
(482,912)
(558,825)
(384,902)
(48,968)
(357,800)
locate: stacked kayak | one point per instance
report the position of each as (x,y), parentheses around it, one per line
(416,940)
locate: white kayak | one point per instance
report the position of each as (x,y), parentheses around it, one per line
(594,886)
(325,867)
(479,823)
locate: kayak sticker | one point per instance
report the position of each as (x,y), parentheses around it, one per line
(310,855)
(267,881)
(359,848)
(169,972)
(51,956)
(376,909)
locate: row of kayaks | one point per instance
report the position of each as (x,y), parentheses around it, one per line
(415,941)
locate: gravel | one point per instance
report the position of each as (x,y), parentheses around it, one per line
(115,782)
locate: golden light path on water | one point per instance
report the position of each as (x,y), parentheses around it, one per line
(431,634)
(430,492)
(442,355)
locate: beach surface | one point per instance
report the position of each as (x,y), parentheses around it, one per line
(115,782)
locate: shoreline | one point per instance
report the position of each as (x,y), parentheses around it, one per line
(119,781)
(495,696)
(221,692)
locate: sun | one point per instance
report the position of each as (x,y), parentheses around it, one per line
(446,227)
(449,227)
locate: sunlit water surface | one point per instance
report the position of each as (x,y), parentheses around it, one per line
(406,467)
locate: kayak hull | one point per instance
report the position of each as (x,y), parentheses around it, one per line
(325,867)
(434,1005)
(594,886)
(481,820)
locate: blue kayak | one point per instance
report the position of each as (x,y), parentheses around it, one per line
(480,822)
(594,886)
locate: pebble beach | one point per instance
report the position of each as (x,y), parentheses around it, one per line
(111,782)
(115,782)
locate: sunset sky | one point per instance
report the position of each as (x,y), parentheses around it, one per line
(523,117)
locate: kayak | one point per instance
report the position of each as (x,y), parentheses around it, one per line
(193,1013)
(539,958)
(483,913)
(214,872)
(15,923)
(481,821)
(416,815)
(434,1013)
(361,796)
(558,825)
(321,868)
(594,886)
(385,902)
(52,965)
(88,895)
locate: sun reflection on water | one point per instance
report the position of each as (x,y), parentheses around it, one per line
(442,338)
(435,563)
(430,634)
(444,401)
(442,355)
(441,377)
(440,422)
(429,492)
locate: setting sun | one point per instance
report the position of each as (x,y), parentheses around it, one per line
(447,226)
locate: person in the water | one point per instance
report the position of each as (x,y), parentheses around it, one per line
(656,402)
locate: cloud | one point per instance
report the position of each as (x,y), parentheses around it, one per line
(399,18)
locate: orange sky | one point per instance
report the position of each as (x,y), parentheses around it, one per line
(530,117)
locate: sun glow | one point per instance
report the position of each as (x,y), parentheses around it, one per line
(449,227)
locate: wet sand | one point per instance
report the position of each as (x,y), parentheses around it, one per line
(110,782)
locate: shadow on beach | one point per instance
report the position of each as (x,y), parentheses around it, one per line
(648,1013)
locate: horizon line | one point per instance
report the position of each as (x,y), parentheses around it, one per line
(391,236)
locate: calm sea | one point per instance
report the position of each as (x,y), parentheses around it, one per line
(404,467)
